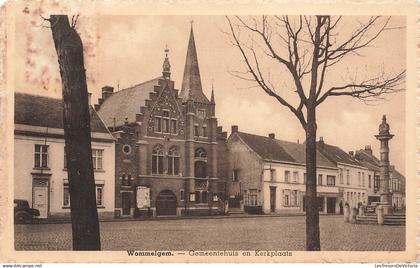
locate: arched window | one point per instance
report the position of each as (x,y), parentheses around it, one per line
(157,160)
(200,169)
(173,161)
(200,152)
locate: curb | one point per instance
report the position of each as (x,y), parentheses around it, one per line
(234,216)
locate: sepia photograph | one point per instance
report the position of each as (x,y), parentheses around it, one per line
(209,135)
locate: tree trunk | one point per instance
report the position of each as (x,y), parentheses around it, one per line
(76,120)
(311,201)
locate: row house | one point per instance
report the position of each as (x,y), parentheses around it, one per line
(396,183)
(40,174)
(269,176)
(170,152)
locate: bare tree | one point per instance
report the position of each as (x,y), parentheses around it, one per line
(307,47)
(76,118)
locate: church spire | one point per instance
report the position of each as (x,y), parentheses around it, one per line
(166,65)
(191,83)
(212,93)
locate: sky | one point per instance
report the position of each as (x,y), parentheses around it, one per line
(122,51)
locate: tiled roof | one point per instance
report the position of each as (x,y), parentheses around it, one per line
(48,112)
(126,103)
(278,150)
(368,160)
(336,155)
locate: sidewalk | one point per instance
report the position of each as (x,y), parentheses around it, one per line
(161,218)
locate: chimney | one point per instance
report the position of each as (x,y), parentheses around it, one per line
(272,136)
(89,98)
(234,129)
(321,142)
(351,153)
(368,149)
(106,92)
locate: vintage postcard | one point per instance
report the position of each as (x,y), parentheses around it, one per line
(266,131)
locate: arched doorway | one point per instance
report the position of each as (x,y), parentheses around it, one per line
(166,203)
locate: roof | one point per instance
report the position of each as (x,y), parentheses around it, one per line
(191,83)
(48,112)
(126,103)
(278,150)
(368,160)
(336,154)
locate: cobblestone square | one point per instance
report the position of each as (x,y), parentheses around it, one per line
(252,233)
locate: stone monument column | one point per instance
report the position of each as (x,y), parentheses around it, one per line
(386,196)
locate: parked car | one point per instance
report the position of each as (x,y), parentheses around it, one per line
(23,213)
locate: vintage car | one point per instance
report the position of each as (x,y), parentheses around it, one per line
(23,213)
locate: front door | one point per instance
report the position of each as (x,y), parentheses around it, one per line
(40,200)
(126,203)
(166,204)
(331,205)
(272,199)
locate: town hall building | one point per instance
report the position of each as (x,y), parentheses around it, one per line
(170,153)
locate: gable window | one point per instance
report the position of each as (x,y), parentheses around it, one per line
(235,175)
(173,161)
(165,121)
(286,176)
(99,195)
(66,195)
(41,156)
(157,160)
(173,126)
(158,124)
(330,180)
(201,113)
(204,129)
(319,179)
(196,131)
(97,158)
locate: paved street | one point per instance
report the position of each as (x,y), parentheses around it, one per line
(264,233)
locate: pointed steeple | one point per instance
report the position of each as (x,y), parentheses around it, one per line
(212,93)
(166,65)
(191,84)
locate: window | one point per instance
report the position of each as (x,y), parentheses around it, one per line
(235,175)
(173,126)
(157,160)
(319,179)
(196,133)
(286,198)
(287,176)
(304,178)
(173,162)
(99,195)
(295,176)
(341,176)
(204,128)
(200,153)
(273,175)
(66,195)
(41,156)
(201,113)
(182,193)
(200,169)
(363,179)
(358,178)
(65,158)
(370,181)
(192,197)
(252,197)
(158,124)
(165,122)
(97,155)
(330,180)
(204,197)
(348,176)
